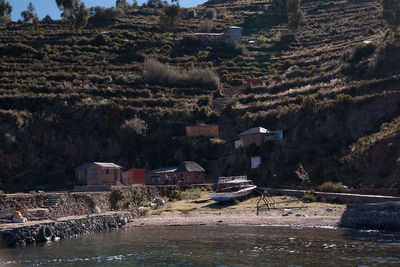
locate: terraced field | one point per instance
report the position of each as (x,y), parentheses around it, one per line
(64,96)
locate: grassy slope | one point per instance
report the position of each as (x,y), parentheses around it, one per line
(53,117)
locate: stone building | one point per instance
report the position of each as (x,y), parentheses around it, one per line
(98,173)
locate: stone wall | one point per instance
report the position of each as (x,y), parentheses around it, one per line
(385,216)
(70,227)
(73,204)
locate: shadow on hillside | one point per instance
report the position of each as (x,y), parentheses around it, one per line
(256,24)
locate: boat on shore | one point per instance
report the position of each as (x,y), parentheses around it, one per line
(232,188)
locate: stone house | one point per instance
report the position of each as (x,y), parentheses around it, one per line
(257,136)
(189,172)
(98,173)
(231,36)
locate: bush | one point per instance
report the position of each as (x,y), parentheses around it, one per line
(310,196)
(191,13)
(17,49)
(331,187)
(155,3)
(157,72)
(206,26)
(101,13)
(211,13)
(204,101)
(115,197)
(286,39)
(363,51)
(191,194)
(175,195)
(94,78)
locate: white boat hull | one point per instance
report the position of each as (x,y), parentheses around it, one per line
(229,196)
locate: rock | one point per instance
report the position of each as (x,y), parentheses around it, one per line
(298,215)
(159,201)
(285,214)
(96,210)
(329,210)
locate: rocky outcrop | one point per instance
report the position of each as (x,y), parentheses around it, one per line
(69,227)
(384,216)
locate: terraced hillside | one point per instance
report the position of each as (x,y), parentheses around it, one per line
(69,97)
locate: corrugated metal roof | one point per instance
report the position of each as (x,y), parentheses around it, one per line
(190,166)
(86,165)
(255,130)
(164,170)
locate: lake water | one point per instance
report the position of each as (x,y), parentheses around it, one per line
(214,246)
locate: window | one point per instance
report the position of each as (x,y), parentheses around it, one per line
(254,137)
(93,172)
(107,171)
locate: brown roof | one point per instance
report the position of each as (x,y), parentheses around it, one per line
(190,166)
(255,130)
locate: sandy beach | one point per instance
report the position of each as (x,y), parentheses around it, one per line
(289,212)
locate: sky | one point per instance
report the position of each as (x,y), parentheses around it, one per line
(49,7)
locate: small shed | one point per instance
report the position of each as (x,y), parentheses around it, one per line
(134,176)
(98,173)
(162,176)
(254,135)
(189,172)
(233,35)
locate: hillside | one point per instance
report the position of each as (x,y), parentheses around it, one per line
(65,96)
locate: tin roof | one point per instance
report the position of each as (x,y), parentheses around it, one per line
(86,165)
(190,166)
(164,170)
(255,130)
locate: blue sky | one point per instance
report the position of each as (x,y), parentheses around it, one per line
(49,7)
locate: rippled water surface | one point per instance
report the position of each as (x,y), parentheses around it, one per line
(214,246)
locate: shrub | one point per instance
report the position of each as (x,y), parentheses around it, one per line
(115,197)
(204,101)
(191,194)
(126,204)
(309,196)
(363,51)
(191,13)
(133,127)
(286,39)
(211,13)
(206,26)
(17,49)
(155,3)
(94,78)
(175,195)
(101,13)
(331,187)
(157,72)
(100,39)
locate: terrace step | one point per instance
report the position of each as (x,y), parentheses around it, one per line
(51,202)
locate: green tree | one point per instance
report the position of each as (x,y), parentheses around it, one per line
(5,11)
(294,14)
(29,15)
(391,13)
(80,17)
(170,16)
(122,4)
(67,6)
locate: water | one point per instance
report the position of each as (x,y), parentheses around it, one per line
(214,246)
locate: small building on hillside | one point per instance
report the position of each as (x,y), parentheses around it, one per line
(134,176)
(189,172)
(257,136)
(203,130)
(162,176)
(231,36)
(98,173)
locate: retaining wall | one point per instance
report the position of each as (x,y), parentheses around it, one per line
(384,216)
(31,233)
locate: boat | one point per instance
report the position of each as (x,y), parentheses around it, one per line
(232,188)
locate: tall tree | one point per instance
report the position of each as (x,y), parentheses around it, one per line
(29,15)
(5,8)
(122,4)
(391,13)
(67,6)
(81,17)
(170,16)
(294,13)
